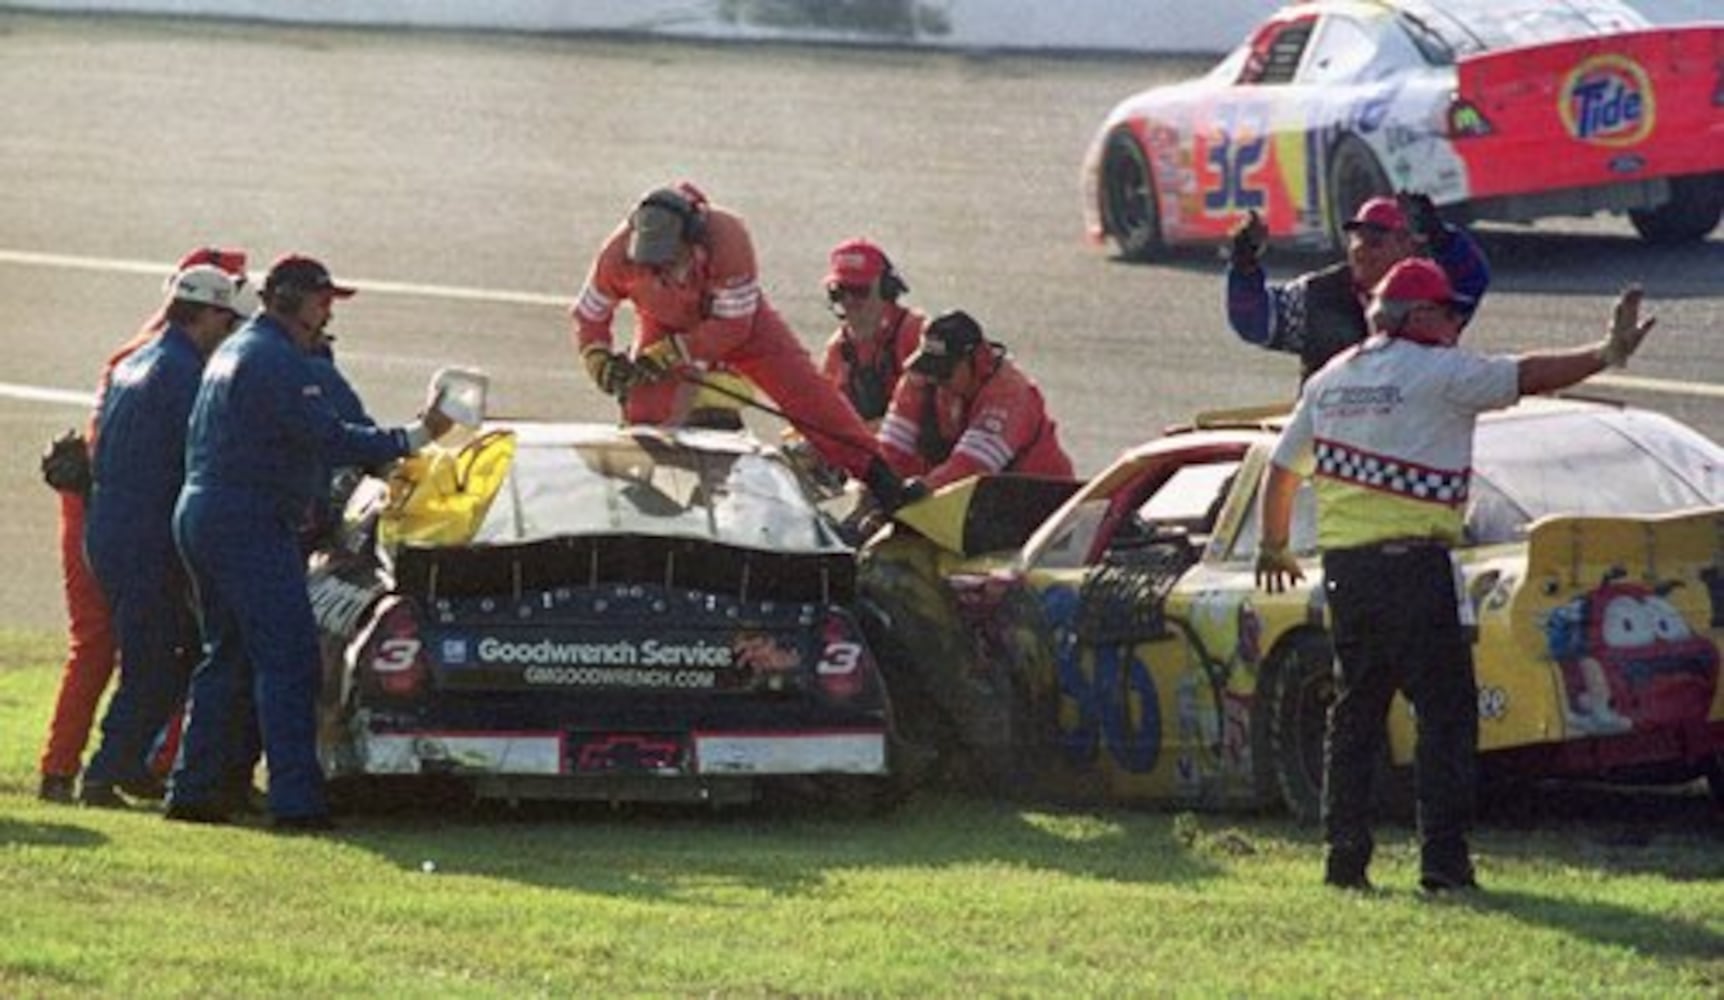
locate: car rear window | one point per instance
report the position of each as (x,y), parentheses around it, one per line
(1609,462)
(649,487)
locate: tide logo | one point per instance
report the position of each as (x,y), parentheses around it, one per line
(1607,101)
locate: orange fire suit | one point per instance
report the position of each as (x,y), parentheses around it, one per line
(937,434)
(720,318)
(867,371)
(91,647)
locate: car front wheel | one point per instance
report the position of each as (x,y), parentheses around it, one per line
(1128,206)
(1695,206)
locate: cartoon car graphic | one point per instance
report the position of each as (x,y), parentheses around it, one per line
(1629,658)
(1107,640)
(584,612)
(1509,110)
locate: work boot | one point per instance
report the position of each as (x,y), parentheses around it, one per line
(100,795)
(149,787)
(61,788)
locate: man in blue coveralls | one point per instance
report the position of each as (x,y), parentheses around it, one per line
(261,431)
(139,466)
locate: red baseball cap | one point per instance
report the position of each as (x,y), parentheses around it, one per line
(303,273)
(1382,213)
(855,262)
(1416,279)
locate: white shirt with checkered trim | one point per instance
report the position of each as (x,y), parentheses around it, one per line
(1385,430)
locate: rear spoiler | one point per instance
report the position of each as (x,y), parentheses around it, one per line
(1681,555)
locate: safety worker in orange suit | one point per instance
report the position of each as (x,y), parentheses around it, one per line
(965,409)
(688,269)
(1385,433)
(91,644)
(867,354)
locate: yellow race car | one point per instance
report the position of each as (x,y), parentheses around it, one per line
(1107,641)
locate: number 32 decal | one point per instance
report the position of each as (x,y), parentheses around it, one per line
(1236,151)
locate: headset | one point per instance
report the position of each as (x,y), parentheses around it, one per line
(684,202)
(891,285)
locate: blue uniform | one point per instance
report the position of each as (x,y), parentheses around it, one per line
(260,433)
(139,466)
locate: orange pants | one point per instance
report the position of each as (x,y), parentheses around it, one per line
(772,358)
(91,650)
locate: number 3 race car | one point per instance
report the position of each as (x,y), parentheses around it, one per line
(1508,110)
(582,612)
(1123,651)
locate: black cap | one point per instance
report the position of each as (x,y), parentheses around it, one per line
(302,274)
(948,339)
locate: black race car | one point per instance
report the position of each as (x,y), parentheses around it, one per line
(585,612)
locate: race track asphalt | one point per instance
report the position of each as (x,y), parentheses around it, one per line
(466,180)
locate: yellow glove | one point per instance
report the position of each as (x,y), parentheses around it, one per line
(1627,329)
(656,361)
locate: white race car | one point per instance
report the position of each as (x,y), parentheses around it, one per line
(1498,109)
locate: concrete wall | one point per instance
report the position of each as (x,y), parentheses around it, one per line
(1123,25)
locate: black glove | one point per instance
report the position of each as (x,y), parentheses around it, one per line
(885,485)
(1249,237)
(613,373)
(66,464)
(1422,218)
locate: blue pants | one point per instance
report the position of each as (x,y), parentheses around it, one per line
(259,635)
(158,642)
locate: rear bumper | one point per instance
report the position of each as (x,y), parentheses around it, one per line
(610,754)
(1666,754)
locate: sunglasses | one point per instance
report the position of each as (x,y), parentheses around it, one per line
(838,293)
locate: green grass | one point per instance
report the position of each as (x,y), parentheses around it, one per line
(947,898)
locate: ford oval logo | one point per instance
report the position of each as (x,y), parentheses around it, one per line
(1607,101)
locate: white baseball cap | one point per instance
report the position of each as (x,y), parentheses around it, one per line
(209,285)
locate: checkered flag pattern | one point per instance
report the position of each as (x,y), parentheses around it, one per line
(1391,475)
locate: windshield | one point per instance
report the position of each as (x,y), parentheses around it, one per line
(653,486)
(1608,462)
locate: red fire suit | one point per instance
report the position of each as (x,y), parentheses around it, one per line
(91,648)
(719,317)
(867,370)
(937,434)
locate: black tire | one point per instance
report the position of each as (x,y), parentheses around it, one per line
(1129,211)
(1301,689)
(1355,177)
(1695,206)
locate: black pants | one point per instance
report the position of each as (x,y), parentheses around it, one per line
(1397,628)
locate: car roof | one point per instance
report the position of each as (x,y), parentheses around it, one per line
(1470,26)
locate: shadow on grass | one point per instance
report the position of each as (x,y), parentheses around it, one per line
(658,851)
(1633,931)
(19,833)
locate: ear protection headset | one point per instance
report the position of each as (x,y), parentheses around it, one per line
(686,204)
(891,285)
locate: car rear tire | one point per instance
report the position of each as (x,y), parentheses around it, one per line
(1695,206)
(1129,209)
(1355,177)
(1301,689)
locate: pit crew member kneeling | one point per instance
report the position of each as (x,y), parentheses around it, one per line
(965,409)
